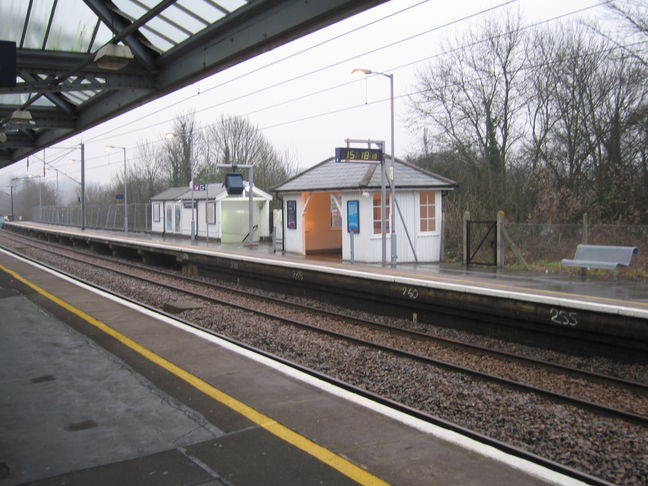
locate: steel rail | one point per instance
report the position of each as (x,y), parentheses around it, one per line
(554,367)
(502,446)
(593,406)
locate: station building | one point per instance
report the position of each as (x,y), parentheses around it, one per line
(216,214)
(332,202)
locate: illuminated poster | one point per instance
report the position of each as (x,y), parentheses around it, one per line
(353,216)
(291,218)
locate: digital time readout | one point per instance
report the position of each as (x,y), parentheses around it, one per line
(347,154)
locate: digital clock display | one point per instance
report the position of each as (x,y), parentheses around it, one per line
(349,154)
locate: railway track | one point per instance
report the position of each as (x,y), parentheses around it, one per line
(569,380)
(618,398)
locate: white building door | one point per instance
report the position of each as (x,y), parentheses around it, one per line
(177,219)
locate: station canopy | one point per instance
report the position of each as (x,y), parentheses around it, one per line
(81,62)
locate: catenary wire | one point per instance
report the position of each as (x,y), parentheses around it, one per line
(310,73)
(427,58)
(330,112)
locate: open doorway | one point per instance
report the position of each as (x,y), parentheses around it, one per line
(323,224)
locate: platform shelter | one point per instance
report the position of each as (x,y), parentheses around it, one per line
(216,214)
(330,203)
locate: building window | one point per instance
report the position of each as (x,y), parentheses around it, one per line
(336,217)
(427,212)
(156,212)
(377,220)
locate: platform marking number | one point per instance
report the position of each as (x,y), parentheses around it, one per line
(297,275)
(563,318)
(411,292)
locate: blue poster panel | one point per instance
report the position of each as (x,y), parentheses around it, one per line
(353,216)
(291,217)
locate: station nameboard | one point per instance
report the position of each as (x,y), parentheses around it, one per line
(366,155)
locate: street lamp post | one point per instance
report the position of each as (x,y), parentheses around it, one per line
(80,146)
(83,201)
(392,217)
(13,180)
(11,188)
(110,147)
(40,195)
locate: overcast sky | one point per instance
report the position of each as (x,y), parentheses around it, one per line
(302,95)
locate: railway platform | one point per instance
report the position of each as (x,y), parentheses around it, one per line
(540,309)
(95,390)
(619,292)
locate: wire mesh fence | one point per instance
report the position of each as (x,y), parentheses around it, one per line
(109,217)
(532,246)
(526,246)
(546,244)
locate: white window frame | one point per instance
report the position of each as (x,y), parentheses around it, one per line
(418,214)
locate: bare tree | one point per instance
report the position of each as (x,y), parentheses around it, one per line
(180,151)
(560,117)
(29,194)
(470,98)
(633,20)
(145,178)
(235,140)
(584,111)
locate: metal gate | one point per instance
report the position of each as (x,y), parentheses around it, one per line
(482,242)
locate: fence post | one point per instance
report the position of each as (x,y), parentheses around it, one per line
(500,239)
(466,217)
(585,229)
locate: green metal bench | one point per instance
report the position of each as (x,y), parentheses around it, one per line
(601,256)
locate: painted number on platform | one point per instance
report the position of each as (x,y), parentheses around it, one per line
(297,275)
(563,317)
(411,292)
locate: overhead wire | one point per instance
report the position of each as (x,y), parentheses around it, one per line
(320,69)
(402,66)
(285,58)
(421,91)
(330,112)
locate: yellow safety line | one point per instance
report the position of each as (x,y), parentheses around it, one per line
(331,459)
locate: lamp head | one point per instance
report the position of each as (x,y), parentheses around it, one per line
(360,72)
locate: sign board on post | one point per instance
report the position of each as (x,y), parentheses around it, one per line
(353,216)
(359,155)
(199,187)
(119,196)
(291,217)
